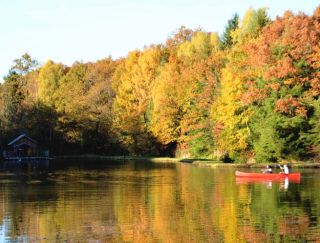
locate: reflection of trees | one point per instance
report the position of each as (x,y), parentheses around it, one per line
(163,203)
(294,226)
(225,208)
(58,210)
(279,215)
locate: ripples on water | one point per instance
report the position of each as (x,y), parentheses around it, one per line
(145,202)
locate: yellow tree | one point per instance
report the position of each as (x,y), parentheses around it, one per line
(230,120)
(133,80)
(230,114)
(48,82)
(183,94)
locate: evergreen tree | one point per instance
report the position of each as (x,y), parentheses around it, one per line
(227,40)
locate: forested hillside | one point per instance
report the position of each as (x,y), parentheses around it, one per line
(251,94)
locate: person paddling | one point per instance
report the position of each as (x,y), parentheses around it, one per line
(267,170)
(285,169)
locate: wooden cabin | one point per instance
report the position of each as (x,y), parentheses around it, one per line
(22,146)
(25,149)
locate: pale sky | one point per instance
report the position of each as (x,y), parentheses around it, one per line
(87,30)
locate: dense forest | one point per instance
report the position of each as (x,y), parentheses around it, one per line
(250,94)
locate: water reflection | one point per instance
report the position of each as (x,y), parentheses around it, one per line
(142,202)
(283,182)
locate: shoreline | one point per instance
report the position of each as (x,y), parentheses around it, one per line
(296,165)
(205,163)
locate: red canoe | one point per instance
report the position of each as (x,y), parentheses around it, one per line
(291,176)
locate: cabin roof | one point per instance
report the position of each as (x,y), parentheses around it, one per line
(20,137)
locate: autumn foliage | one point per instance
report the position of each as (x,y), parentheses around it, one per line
(250,95)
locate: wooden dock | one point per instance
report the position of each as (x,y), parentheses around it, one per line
(26,159)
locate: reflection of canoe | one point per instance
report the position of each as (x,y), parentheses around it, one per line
(248,180)
(262,176)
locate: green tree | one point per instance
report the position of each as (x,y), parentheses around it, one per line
(232,25)
(13,94)
(24,64)
(70,104)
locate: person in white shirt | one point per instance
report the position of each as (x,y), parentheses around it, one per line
(285,169)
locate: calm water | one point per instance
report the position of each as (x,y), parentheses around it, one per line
(143,202)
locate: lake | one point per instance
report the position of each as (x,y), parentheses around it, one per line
(154,202)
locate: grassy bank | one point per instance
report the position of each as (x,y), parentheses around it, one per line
(196,162)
